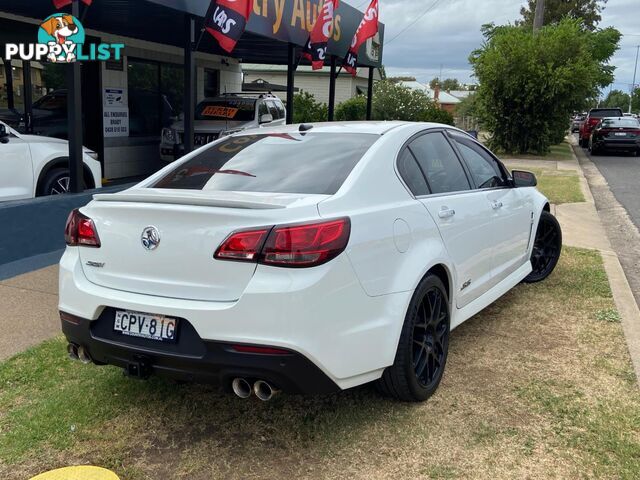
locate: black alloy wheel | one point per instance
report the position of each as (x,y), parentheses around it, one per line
(424,345)
(430,336)
(546,248)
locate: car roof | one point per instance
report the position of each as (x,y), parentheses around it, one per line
(370,127)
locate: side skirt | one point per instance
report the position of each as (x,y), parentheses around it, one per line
(460,315)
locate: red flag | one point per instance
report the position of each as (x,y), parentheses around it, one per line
(63,3)
(316,48)
(367,29)
(226,21)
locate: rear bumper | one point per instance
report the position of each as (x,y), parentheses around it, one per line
(191,358)
(632,144)
(322,314)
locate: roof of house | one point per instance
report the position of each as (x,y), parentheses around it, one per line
(461,94)
(444,97)
(324,71)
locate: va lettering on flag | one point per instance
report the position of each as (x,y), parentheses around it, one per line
(316,48)
(368,28)
(226,21)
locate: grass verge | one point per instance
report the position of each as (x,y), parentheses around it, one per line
(539,385)
(559,186)
(561,151)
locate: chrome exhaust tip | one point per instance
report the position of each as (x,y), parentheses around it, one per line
(72,350)
(83,355)
(241,387)
(263,390)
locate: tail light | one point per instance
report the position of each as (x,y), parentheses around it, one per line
(294,246)
(80,230)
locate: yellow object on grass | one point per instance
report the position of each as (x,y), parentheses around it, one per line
(84,472)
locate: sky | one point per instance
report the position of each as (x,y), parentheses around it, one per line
(443,38)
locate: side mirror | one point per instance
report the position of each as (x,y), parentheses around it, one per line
(524,179)
(4,134)
(266,118)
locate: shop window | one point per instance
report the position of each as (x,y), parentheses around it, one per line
(155,96)
(211,83)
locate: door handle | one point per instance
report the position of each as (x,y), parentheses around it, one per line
(446,212)
(496,205)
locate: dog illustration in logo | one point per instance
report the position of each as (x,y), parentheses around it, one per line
(60,28)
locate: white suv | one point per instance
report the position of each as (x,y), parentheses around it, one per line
(33,166)
(223,115)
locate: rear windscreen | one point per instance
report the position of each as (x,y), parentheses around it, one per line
(605,113)
(275,163)
(620,123)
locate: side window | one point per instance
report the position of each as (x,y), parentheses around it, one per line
(439,163)
(262,109)
(273,110)
(281,109)
(411,174)
(485,170)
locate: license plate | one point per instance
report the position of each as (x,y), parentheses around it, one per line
(145,325)
(620,134)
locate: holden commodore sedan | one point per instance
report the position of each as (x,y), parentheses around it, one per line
(304,259)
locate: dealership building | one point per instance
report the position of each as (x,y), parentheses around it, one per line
(167,65)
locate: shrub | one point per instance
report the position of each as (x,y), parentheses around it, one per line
(353,109)
(307,109)
(530,83)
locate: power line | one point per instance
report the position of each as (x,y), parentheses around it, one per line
(431,7)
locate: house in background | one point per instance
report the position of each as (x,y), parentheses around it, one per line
(315,82)
(444,100)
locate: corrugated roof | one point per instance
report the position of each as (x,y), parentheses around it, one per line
(444,97)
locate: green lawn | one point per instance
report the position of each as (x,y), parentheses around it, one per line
(559,186)
(539,385)
(562,151)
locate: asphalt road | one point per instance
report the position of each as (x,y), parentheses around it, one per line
(622,173)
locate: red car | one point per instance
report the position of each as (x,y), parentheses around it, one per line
(594,117)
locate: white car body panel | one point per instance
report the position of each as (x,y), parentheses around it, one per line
(346,315)
(24,160)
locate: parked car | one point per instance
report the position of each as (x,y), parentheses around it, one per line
(307,259)
(224,115)
(593,118)
(576,122)
(618,133)
(31,165)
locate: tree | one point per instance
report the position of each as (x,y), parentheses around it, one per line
(531,83)
(447,84)
(307,109)
(617,98)
(401,79)
(587,11)
(392,101)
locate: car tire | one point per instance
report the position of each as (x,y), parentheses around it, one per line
(423,347)
(56,182)
(584,143)
(546,248)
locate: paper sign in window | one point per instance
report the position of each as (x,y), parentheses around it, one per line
(217,111)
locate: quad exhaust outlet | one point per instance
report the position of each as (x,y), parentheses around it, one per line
(241,387)
(264,390)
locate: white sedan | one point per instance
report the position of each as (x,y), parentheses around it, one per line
(307,259)
(32,166)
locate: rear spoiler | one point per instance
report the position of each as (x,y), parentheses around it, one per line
(184,198)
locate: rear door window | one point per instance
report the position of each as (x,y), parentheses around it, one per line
(440,164)
(276,163)
(605,113)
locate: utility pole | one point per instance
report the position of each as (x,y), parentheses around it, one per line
(538,19)
(633,85)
